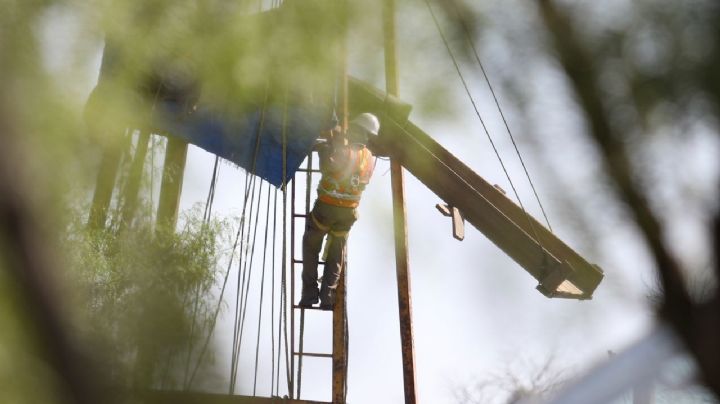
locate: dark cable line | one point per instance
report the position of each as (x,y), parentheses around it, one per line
(237,334)
(240,281)
(272,297)
(222,290)
(262,290)
(468,37)
(206,219)
(482,121)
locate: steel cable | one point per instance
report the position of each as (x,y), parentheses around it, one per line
(471,42)
(482,121)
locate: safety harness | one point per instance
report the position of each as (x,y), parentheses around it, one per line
(344,187)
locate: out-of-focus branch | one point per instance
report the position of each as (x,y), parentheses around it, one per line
(697,326)
(24,252)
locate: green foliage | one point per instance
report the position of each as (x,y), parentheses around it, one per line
(144,294)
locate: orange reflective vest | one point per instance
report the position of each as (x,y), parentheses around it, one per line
(344,180)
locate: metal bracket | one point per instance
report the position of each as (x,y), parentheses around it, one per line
(458,221)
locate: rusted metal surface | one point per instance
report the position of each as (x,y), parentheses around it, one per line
(403,284)
(402,264)
(172,180)
(339,361)
(339,355)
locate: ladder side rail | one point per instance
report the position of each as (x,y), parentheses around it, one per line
(292,287)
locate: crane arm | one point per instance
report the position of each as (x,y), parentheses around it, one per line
(560,271)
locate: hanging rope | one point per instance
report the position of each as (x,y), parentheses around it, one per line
(239,322)
(248,269)
(482,121)
(284,303)
(206,220)
(471,42)
(211,192)
(262,290)
(206,343)
(272,299)
(238,239)
(242,273)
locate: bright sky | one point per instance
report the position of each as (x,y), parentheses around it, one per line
(477,315)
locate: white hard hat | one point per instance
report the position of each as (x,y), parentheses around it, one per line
(368,122)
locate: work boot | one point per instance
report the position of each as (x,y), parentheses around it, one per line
(327,299)
(309,297)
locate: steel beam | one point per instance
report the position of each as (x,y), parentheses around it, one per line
(560,270)
(402,263)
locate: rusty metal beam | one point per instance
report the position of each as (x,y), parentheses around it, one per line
(402,263)
(339,361)
(560,270)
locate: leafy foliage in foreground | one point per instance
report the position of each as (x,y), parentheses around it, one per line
(143,295)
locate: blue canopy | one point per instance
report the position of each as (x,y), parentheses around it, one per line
(251,139)
(247,129)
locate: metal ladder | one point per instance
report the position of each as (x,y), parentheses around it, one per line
(339,354)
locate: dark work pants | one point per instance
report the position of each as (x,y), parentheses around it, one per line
(325,219)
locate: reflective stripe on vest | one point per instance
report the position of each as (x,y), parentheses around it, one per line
(345,187)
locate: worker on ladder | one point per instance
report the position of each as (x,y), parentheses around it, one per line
(346,165)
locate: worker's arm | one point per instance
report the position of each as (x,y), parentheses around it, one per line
(334,157)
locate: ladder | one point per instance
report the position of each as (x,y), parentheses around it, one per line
(339,348)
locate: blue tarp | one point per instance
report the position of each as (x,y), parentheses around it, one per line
(234,136)
(300,63)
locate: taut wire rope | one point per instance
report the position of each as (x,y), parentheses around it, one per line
(471,42)
(206,343)
(207,214)
(248,269)
(239,322)
(222,290)
(283,295)
(272,298)
(482,122)
(262,290)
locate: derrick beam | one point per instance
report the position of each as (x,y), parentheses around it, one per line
(560,270)
(339,351)
(402,262)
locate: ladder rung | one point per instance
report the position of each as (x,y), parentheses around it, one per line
(295,306)
(299,215)
(297,261)
(304,170)
(314,355)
